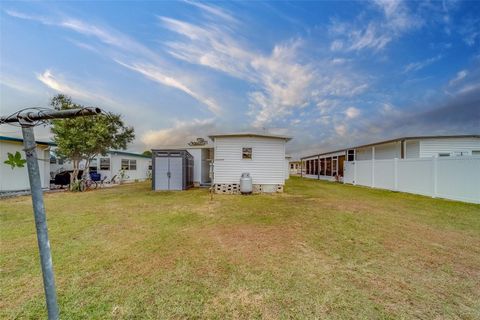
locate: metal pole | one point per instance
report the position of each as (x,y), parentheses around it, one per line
(40,221)
(51,114)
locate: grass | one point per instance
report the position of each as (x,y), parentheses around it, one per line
(320,250)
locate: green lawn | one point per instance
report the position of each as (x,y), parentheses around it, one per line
(320,250)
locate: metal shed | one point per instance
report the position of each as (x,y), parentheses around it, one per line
(172,170)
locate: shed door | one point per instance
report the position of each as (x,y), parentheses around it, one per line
(161,173)
(176,173)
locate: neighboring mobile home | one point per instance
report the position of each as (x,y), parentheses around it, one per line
(437,166)
(329,165)
(261,155)
(17,179)
(135,166)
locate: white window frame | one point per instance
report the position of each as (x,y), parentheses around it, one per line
(131,164)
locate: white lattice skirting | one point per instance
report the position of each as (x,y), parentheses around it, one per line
(234,188)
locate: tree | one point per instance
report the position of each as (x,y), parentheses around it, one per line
(147,153)
(84,138)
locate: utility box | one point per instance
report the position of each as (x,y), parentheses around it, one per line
(172,170)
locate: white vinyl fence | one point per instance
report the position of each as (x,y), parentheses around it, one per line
(456,178)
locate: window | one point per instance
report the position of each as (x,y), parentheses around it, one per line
(129,164)
(291,166)
(105,164)
(351,155)
(444,154)
(475,152)
(246,153)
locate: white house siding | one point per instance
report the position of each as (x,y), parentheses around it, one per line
(17,179)
(382,151)
(267,165)
(412,149)
(116,162)
(432,147)
(388,151)
(143,164)
(363,153)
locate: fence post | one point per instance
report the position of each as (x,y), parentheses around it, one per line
(354,163)
(373,167)
(435,173)
(395,174)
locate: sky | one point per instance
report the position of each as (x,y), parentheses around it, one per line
(329,74)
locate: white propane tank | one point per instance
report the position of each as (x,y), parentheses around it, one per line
(246,185)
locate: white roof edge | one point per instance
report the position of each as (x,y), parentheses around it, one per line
(249,134)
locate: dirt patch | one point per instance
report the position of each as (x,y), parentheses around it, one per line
(253,242)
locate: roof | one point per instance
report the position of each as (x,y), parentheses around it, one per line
(45,143)
(396,140)
(249,134)
(184,147)
(129,154)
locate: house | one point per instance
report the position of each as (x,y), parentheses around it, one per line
(295,167)
(17,179)
(135,166)
(261,155)
(330,165)
(436,166)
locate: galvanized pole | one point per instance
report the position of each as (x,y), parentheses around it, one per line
(28,120)
(40,220)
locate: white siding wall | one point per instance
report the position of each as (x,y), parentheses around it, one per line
(432,147)
(388,151)
(363,153)
(139,174)
(382,152)
(17,179)
(266,167)
(412,149)
(115,166)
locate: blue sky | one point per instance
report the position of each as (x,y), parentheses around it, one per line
(331,74)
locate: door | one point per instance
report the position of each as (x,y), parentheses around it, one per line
(176,173)
(161,173)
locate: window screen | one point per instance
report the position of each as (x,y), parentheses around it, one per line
(246,153)
(128,164)
(104,163)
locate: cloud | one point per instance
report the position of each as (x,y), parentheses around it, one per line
(280,81)
(71,88)
(341,129)
(352,112)
(213,10)
(142,59)
(18,85)
(336,45)
(459,77)
(179,134)
(154,73)
(415,66)
(376,34)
